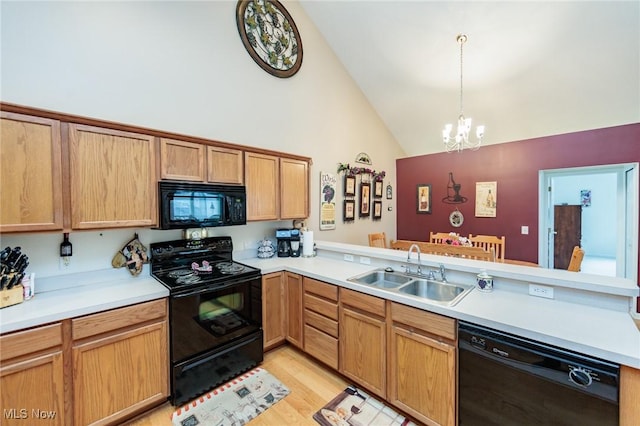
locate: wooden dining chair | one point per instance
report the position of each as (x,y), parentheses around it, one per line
(438,237)
(378,240)
(490,243)
(576,259)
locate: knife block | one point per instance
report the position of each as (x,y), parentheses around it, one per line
(12,296)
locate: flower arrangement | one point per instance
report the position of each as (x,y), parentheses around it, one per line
(456,240)
(352,171)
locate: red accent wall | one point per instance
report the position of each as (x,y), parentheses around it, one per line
(514,166)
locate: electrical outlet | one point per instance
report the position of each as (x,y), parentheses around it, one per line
(65,262)
(348,257)
(541,291)
(365,260)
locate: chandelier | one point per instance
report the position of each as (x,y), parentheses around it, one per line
(461,140)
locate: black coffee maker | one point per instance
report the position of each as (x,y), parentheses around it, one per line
(283,237)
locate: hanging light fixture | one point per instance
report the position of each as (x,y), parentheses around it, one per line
(461,140)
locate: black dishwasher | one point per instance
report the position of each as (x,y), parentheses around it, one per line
(508,380)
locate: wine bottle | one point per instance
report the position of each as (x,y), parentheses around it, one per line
(66,249)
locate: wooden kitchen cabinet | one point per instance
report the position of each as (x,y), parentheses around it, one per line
(195,162)
(294,309)
(363,340)
(629,391)
(321,321)
(225,165)
(120,362)
(273,310)
(180,160)
(31,174)
(277,188)
(112,178)
(422,365)
(32,385)
(294,189)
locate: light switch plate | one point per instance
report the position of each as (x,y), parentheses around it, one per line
(524,230)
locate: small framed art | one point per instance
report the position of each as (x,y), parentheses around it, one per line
(365,196)
(377,189)
(349,210)
(377,209)
(423,199)
(389,192)
(349,186)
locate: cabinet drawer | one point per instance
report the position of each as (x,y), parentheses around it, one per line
(321,306)
(321,346)
(30,341)
(320,322)
(425,321)
(328,291)
(364,302)
(103,322)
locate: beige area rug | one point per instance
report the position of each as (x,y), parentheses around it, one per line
(234,403)
(354,407)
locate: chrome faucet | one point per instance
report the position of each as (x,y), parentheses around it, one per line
(443,273)
(419,270)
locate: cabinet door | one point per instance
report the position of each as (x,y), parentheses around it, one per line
(294,189)
(362,349)
(422,376)
(294,309)
(31,174)
(224,165)
(118,375)
(180,160)
(263,183)
(32,377)
(629,391)
(113,178)
(273,312)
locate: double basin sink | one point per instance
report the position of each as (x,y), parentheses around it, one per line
(444,293)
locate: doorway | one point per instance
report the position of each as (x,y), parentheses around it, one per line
(609,230)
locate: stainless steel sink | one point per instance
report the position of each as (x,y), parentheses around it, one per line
(447,294)
(381,278)
(435,290)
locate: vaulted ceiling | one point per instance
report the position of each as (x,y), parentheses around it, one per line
(530,69)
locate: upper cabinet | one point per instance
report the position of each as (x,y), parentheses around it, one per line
(181,160)
(31,174)
(112,178)
(277,188)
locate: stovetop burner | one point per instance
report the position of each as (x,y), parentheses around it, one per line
(183,264)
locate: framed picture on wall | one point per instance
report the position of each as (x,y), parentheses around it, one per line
(365,196)
(423,198)
(349,186)
(377,189)
(377,209)
(349,210)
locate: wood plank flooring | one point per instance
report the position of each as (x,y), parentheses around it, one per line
(312,385)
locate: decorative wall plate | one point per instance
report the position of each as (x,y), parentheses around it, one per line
(270,36)
(456,219)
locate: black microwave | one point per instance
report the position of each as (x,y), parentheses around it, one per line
(197,205)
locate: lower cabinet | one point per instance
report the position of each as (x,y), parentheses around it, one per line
(32,381)
(363,340)
(293,293)
(273,310)
(422,365)
(120,362)
(321,321)
(93,370)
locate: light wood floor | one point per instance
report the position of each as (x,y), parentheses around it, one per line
(312,385)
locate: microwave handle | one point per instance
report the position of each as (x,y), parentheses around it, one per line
(227,210)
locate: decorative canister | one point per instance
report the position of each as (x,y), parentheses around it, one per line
(484,281)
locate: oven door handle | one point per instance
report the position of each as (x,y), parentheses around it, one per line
(214,289)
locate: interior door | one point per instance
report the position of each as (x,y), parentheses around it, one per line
(567,221)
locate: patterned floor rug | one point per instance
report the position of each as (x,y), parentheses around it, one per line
(354,407)
(234,403)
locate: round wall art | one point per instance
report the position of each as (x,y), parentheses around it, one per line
(270,36)
(456,218)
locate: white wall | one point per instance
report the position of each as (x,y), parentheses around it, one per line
(181,67)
